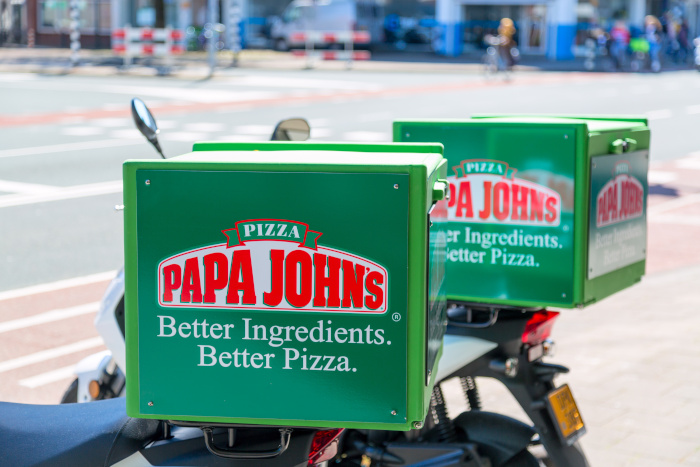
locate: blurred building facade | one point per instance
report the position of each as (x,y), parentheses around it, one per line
(553,28)
(549,27)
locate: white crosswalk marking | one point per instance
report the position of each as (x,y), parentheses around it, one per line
(48,377)
(48,317)
(58,285)
(63,193)
(48,354)
(9,186)
(54,148)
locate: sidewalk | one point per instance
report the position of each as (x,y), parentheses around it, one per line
(635,356)
(634,361)
(103,62)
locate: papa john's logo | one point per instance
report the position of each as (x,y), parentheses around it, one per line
(272,264)
(487,191)
(621,198)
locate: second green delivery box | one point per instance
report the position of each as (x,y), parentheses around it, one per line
(544,211)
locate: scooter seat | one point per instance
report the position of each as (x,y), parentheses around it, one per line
(93,434)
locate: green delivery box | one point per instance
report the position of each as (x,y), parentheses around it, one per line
(286,284)
(544,211)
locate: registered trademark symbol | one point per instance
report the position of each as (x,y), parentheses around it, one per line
(396,317)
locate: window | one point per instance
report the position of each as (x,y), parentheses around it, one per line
(54,16)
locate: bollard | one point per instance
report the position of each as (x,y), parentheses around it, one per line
(234,30)
(74,32)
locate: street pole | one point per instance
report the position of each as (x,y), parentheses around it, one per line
(74,32)
(234,30)
(212,19)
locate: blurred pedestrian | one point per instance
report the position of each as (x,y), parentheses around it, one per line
(672,29)
(619,40)
(683,41)
(652,33)
(506,48)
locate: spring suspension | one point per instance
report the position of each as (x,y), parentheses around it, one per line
(471,392)
(445,428)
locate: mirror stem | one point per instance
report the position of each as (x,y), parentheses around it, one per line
(157,146)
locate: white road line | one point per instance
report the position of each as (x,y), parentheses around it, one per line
(319,122)
(82,131)
(58,285)
(48,377)
(186,136)
(9,186)
(253,130)
(366,136)
(206,127)
(63,193)
(48,317)
(189,95)
(692,109)
(54,148)
(288,82)
(375,117)
(659,114)
(49,354)
(19,77)
(116,122)
(321,132)
(238,138)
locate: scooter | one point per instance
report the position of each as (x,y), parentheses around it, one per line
(506,344)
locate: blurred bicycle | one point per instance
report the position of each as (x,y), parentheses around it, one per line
(499,56)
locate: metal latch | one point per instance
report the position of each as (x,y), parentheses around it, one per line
(441,190)
(620,146)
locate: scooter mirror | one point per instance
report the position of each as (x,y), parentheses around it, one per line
(145,123)
(293,129)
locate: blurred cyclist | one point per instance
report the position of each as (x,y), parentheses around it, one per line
(619,39)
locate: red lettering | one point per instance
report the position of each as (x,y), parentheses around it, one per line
(601,210)
(353,277)
(332,280)
(171,281)
(501,201)
(191,285)
(486,213)
(640,200)
(304,279)
(464,201)
(453,198)
(520,202)
(215,275)
(241,278)
(612,201)
(536,205)
(372,283)
(274,296)
(551,215)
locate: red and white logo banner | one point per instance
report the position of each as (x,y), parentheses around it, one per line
(487,191)
(270,273)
